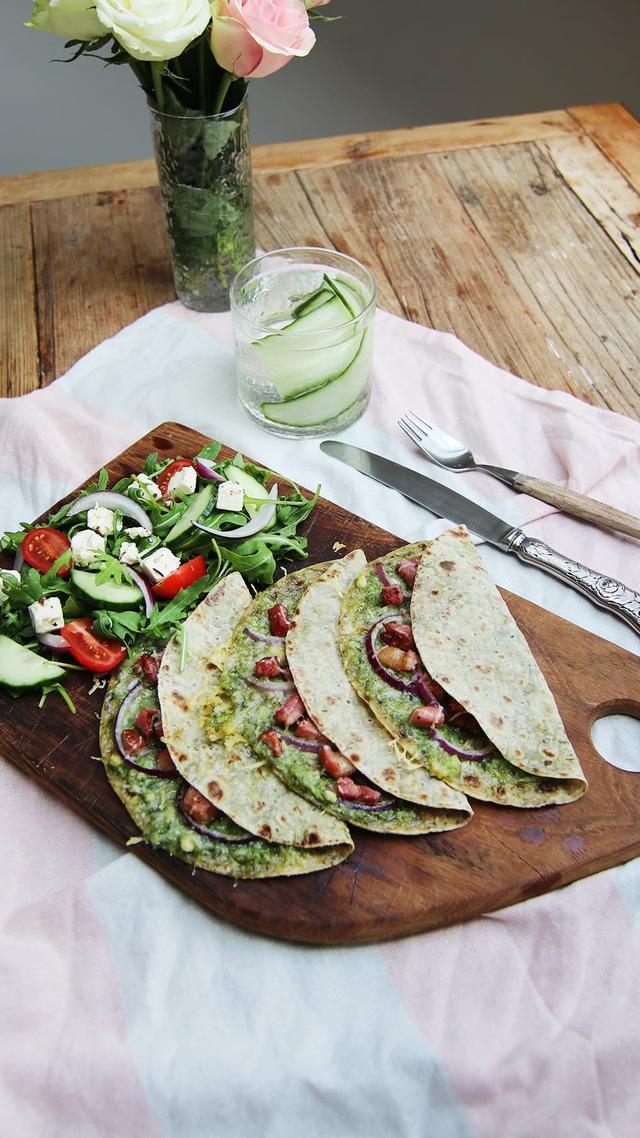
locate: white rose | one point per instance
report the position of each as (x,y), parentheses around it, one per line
(154,30)
(73,19)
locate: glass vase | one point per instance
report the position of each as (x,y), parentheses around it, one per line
(204,168)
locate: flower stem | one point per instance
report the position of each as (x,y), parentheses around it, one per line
(225,84)
(156,71)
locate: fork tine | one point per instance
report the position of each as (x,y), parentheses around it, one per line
(410,430)
(423,422)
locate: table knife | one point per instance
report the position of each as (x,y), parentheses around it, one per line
(604,591)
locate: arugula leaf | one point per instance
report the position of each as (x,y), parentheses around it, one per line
(111,570)
(121,625)
(103,479)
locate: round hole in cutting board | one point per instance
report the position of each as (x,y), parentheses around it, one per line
(616,738)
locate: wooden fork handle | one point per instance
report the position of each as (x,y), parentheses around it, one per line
(590,510)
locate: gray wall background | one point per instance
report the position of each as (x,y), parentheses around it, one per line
(388,63)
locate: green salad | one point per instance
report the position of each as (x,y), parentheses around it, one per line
(118,567)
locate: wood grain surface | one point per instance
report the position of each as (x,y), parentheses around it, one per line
(519,235)
(390,886)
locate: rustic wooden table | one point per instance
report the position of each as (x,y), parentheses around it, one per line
(521,235)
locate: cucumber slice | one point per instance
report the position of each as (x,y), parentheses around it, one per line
(252,489)
(109,594)
(22,670)
(314,300)
(328,401)
(192,513)
(297,364)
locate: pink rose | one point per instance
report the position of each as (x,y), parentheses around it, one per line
(254,38)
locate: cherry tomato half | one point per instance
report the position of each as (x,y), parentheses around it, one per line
(188,573)
(164,479)
(41,547)
(89,649)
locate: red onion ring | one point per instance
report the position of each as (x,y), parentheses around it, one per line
(469,756)
(262,519)
(380,573)
(379,669)
(420,688)
(215,835)
(277,686)
(262,639)
(302,744)
(123,711)
(145,589)
(52,641)
(374,808)
(205,471)
(112,501)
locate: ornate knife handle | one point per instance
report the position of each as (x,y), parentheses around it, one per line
(604,591)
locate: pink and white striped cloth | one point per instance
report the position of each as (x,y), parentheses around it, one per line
(127,1011)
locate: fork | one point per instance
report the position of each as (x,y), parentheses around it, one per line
(451,454)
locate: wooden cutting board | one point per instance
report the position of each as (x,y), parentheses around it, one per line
(390,886)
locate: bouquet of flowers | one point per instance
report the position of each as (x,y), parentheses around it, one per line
(193,60)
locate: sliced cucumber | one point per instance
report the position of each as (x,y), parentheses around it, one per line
(108,594)
(297,364)
(314,300)
(22,669)
(192,513)
(252,489)
(328,401)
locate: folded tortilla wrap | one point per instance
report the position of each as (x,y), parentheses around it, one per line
(492,777)
(153,803)
(471,644)
(345,719)
(233,778)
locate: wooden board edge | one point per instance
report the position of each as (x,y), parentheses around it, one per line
(46,185)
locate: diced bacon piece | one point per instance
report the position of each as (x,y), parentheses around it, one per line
(273,740)
(279,622)
(147,722)
(133,741)
(292,709)
(392,595)
(347,788)
(369,795)
(427,716)
(399,635)
(305,729)
(164,762)
(356,792)
(148,667)
(268,666)
(407,569)
(398,660)
(198,807)
(334,763)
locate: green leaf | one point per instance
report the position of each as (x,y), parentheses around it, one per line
(210,451)
(103,479)
(216,135)
(49,689)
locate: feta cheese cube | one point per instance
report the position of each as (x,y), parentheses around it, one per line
(183,481)
(146,486)
(129,553)
(137,531)
(101,519)
(46,615)
(9,573)
(230,496)
(159,564)
(85,545)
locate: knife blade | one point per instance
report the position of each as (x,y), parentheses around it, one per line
(425,491)
(602,590)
